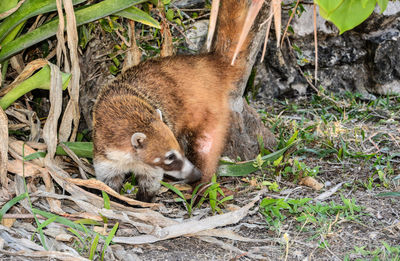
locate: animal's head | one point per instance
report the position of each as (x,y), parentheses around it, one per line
(158,147)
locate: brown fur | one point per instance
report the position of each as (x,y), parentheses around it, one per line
(191,91)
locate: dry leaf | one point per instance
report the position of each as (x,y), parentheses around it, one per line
(71,113)
(64,237)
(8,222)
(36,145)
(167,49)
(191,226)
(46,254)
(11,11)
(24,150)
(3,148)
(60,38)
(97,184)
(329,193)
(100,230)
(26,73)
(183,187)
(290,19)
(252,182)
(21,168)
(55,205)
(133,54)
(212,23)
(271,14)
(311,182)
(17,63)
(277,20)
(251,16)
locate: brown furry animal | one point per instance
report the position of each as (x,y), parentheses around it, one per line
(154,114)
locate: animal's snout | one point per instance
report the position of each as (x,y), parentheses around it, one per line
(194,176)
(188,172)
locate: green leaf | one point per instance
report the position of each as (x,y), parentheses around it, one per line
(382,5)
(293,138)
(73,231)
(81,149)
(11,203)
(175,190)
(346,14)
(109,239)
(28,9)
(170,14)
(7,5)
(36,155)
(93,247)
(83,16)
(243,169)
(63,221)
(87,221)
(45,223)
(389,194)
(106,199)
(138,15)
(40,80)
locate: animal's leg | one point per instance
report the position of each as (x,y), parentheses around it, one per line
(208,148)
(148,186)
(109,174)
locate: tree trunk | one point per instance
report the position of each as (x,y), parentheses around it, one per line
(246,124)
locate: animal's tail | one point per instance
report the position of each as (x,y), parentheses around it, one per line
(231,18)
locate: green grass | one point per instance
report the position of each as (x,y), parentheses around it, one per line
(210,194)
(311,216)
(384,252)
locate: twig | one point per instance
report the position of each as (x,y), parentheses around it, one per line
(290,19)
(119,34)
(327,248)
(315,46)
(269,21)
(77,160)
(12,10)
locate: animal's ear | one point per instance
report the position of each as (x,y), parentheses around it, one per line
(159,113)
(137,140)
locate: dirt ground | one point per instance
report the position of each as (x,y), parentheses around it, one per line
(350,222)
(370,233)
(345,143)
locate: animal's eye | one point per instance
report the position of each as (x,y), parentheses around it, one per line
(171,157)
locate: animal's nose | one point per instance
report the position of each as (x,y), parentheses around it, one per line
(194,176)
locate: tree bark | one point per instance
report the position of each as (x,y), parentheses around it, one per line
(246,124)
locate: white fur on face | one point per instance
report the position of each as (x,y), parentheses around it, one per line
(169,153)
(185,172)
(156,160)
(119,155)
(113,168)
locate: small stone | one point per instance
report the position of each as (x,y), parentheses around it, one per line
(373,235)
(197,35)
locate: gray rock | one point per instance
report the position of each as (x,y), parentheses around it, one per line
(365,59)
(197,35)
(188,3)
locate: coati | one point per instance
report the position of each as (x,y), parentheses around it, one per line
(169,115)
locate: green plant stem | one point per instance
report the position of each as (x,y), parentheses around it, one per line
(83,16)
(40,80)
(11,36)
(29,9)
